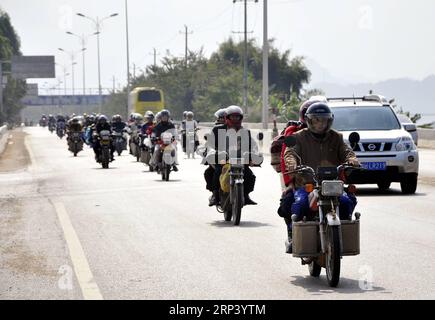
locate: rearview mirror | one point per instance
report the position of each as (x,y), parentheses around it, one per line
(260,136)
(354,139)
(410,127)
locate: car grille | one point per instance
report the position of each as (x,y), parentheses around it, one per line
(373,147)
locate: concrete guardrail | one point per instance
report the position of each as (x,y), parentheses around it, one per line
(3,138)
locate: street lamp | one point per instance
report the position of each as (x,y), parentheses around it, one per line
(98,23)
(83,40)
(65,74)
(72,56)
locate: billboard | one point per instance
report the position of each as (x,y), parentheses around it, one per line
(27,67)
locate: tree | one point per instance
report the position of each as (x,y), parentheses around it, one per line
(15,89)
(206,85)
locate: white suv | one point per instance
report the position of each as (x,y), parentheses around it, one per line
(386,149)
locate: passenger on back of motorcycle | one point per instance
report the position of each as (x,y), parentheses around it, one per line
(164,125)
(209,172)
(101,124)
(316,146)
(233,122)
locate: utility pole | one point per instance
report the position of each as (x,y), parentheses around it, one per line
(128,57)
(245,59)
(265,68)
(186,33)
(155,54)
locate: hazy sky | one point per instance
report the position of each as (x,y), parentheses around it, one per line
(354,40)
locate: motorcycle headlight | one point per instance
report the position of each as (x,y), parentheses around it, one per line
(405,144)
(332,188)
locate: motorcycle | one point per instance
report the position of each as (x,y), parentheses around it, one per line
(75,142)
(60,129)
(119,142)
(231,191)
(51,127)
(43,122)
(135,145)
(105,141)
(146,150)
(191,142)
(168,154)
(321,239)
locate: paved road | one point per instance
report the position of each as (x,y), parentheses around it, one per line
(70,230)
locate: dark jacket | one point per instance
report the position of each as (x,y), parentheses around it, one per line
(162,127)
(318,152)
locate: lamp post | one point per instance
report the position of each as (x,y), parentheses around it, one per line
(73,63)
(98,23)
(83,39)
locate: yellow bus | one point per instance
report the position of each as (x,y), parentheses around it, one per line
(143,99)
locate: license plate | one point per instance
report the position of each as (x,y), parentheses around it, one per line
(374,166)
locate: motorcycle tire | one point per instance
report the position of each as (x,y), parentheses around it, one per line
(315,269)
(168,170)
(333,256)
(105,156)
(237,204)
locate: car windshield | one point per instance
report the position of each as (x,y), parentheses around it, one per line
(364,118)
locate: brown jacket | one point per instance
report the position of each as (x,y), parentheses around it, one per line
(327,152)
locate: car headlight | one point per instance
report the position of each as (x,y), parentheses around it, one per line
(332,188)
(405,144)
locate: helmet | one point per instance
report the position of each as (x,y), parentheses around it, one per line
(306,104)
(164,113)
(158,116)
(149,116)
(319,118)
(190,115)
(234,116)
(102,119)
(75,120)
(117,118)
(220,115)
(184,114)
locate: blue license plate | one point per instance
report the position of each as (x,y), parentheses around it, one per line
(375,166)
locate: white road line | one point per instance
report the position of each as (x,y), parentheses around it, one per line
(82,270)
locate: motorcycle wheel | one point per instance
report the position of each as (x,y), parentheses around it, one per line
(105,158)
(168,170)
(333,256)
(237,204)
(314,268)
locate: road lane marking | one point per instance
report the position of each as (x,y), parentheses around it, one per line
(82,270)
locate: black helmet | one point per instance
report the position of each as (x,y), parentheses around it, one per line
(165,113)
(319,118)
(117,118)
(102,119)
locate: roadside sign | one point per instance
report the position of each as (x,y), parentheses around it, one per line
(27,67)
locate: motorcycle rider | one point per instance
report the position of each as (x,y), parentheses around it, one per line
(102,123)
(311,141)
(164,125)
(148,126)
(51,121)
(117,124)
(188,124)
(74,125)
(233,120)
(134,126)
